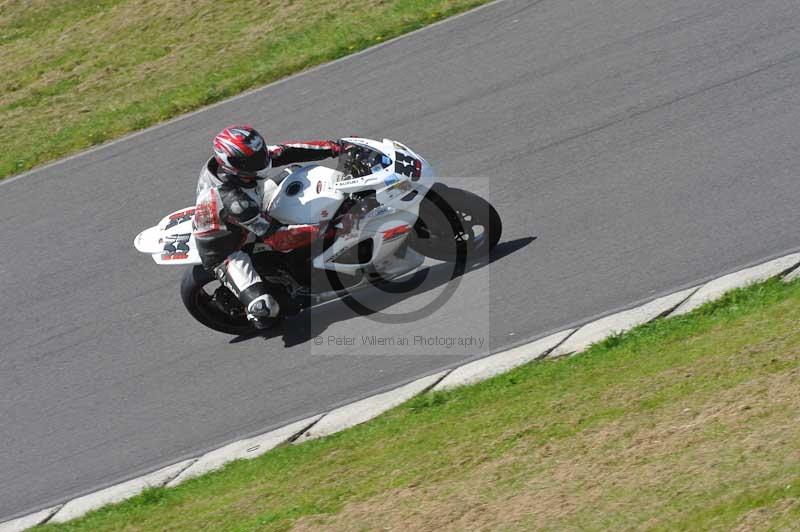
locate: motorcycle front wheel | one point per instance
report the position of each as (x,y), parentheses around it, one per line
(451,217)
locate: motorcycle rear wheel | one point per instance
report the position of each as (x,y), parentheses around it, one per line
(201,304)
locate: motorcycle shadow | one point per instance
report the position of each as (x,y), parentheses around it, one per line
(311,323)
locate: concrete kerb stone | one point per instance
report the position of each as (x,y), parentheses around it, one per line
(118,493)
(620,322)
(792,275)
(716,288)
(356,413)
(496,364)
(243,450)
(29,521)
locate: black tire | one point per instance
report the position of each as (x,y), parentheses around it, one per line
(202,307)
(447,214)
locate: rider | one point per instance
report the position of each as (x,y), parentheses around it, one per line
(230,208)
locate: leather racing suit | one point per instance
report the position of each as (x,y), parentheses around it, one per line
(231,214)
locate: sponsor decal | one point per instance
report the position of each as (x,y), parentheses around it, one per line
(323,213)
(338,254)
(179,218)
(398,188)
(319,187)
(176,247)
(391,180)
(403,186)
(379,211)
(396,232)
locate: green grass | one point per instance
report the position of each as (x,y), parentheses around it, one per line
(689,423)
(75,74)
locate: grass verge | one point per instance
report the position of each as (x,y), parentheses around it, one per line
(75,74)
(687,423)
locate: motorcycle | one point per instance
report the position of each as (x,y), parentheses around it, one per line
(370,220)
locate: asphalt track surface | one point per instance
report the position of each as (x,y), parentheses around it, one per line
(645,144)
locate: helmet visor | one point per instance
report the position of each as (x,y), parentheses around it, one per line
(251,165)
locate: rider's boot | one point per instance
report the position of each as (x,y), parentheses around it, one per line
(239,276)
(261,309)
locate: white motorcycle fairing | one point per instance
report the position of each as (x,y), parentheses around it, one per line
(312,195)
(306,196)
(171,241)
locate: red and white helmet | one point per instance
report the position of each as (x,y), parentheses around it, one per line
(241,153)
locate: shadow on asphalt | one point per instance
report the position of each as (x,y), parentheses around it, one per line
(300,328)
